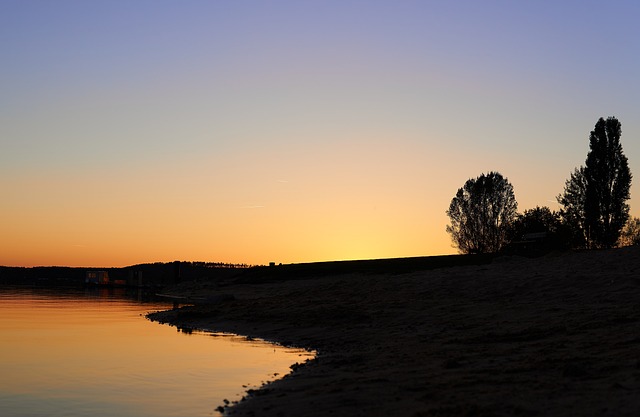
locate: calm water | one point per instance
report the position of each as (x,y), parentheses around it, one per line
(90,353)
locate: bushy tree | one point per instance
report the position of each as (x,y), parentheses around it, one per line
(481,214)
(630,234)
(537,220)
(541,220)
(572,212)
(595,197)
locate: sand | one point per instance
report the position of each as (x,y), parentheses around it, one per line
(552,336)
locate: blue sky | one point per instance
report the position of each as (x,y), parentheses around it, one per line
(351,123)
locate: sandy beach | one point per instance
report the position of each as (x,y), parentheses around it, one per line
(557,335)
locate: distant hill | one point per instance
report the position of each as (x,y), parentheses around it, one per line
(154,274)
(166,274)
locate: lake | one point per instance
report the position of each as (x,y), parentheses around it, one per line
(92,352)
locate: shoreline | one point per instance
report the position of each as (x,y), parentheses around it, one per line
(549,336)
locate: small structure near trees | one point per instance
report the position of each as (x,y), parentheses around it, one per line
(97,277)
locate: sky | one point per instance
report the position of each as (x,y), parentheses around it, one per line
(292,131)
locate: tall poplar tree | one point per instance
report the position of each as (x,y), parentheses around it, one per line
(597,193)
(608,184)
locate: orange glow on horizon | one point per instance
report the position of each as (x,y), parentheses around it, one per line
(256,135)
(362,207)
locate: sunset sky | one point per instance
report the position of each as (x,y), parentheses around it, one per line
(292,131)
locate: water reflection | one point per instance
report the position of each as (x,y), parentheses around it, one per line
(94,353)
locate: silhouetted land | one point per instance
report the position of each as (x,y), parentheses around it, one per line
(448,336)
(168,274)
(151,275)
(263,274)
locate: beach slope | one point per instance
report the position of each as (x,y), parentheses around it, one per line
(552,336)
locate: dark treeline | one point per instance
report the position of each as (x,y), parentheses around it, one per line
(152,274)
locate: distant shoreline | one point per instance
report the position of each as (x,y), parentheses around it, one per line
(168,274)
(551,336)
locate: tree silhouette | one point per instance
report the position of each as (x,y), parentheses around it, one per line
(595,198)
(541,220)
(630,234)
(608,184)
(481,214)
(537,220)
(573,204)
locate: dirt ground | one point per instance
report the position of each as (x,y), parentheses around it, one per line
(552,336)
